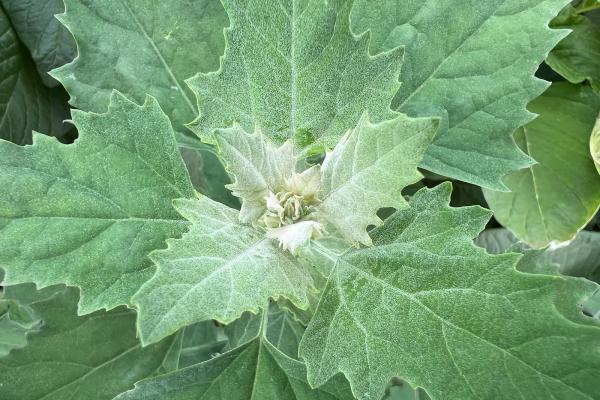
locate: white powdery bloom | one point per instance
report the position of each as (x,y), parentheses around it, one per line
(292,236)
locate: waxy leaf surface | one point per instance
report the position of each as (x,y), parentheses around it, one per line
(554,199)
(87,214)
(48,41)
(429,306)
(577,57)
(25,103)
(472,63)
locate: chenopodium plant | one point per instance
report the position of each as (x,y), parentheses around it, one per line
(410,297)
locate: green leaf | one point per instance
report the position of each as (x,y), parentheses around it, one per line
(87,214)
(255,370)
(368,169)
(427,305)
(49,42)
(201,342)
(472,63)
(577,57)
(207,173)
(138,48)
(552,200)
(217,270)
(294,69)
(581,257)
(25,103)
(595,144)
(16,320)
(92,357)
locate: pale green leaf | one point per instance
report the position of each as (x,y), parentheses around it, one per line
(25,103)
(294,69)
(87,214)
(256,167)
(472,63)
(93,357)
(138,47)
(552,200)
(368,169)
(595,144)
(427,305)
(217,270)
(256,370)
(48,41)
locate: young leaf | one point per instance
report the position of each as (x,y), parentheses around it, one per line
(552,200)
(49,42)
(138,48)
(255,370)
(461,323)
(477,74)
(577,57)
(368,169)
(255,166)
(217,270)
(87,214)
(294,69)
(25,103)
(94,357)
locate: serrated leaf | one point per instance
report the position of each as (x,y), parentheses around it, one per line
(309,85)
(87,214)
(577,57)
(580,257)
(255,370)
(217,270)
(91,357)
(49,42)
(137,49)
(255,165)
(478,75)
(461,323)
(552,200)
(25,103)
(368,169)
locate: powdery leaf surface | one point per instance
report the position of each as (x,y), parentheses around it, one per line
(461,323)
(87,214)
